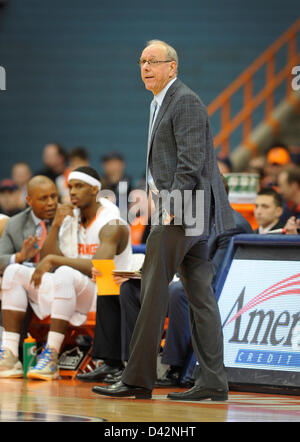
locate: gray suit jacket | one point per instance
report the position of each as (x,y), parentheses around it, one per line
(217,244)
(181,157)
(17,228)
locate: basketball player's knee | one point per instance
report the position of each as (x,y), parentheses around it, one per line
(63,270)
(14,296)
(63,283)
(64,275)
(13,274)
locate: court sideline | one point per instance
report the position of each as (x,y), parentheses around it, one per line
(72,400)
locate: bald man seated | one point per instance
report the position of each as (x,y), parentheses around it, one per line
(23,233)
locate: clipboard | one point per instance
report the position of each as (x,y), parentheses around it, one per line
(127,274)
(105,283)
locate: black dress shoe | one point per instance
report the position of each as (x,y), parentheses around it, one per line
(122,390)
(199,394)
(171,378)
(98,374)
(113,378)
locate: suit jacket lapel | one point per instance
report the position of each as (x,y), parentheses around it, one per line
(29,227)
(162,110)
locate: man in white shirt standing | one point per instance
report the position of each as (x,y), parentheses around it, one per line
(182,163)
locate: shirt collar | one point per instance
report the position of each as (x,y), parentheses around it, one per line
(159,98)
(36,220)
(268,228)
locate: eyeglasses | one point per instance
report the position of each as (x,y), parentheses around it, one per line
(152,62)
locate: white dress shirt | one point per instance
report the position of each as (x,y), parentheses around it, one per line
(266,229)
(159,98)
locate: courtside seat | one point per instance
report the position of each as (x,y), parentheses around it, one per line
(39,330)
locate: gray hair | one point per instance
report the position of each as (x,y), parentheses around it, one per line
(170,51)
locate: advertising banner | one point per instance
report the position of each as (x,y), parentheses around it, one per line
(260,312)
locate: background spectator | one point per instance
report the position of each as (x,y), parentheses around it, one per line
(268,209)
(55,161)
(10,199)
(257,165)
(77,157)
(289,187)
(21,174)
(277,159)
(113,166)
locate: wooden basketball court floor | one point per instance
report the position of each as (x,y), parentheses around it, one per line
(73,401)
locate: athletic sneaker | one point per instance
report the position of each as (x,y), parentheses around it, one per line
(10,366)
(46,368)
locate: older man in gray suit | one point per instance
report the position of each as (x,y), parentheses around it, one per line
(180,161)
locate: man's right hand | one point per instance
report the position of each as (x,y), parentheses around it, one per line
(62,211)
(29,249)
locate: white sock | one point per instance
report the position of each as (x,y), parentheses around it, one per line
(55,340)
(10,340)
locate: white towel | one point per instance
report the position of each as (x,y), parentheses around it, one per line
(68,232)
(68,235)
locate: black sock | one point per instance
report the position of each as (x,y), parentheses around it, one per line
(113,362)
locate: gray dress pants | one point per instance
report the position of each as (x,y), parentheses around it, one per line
(169,250)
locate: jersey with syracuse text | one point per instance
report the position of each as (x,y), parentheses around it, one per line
(88,238)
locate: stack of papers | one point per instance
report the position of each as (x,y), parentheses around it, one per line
(127,274)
